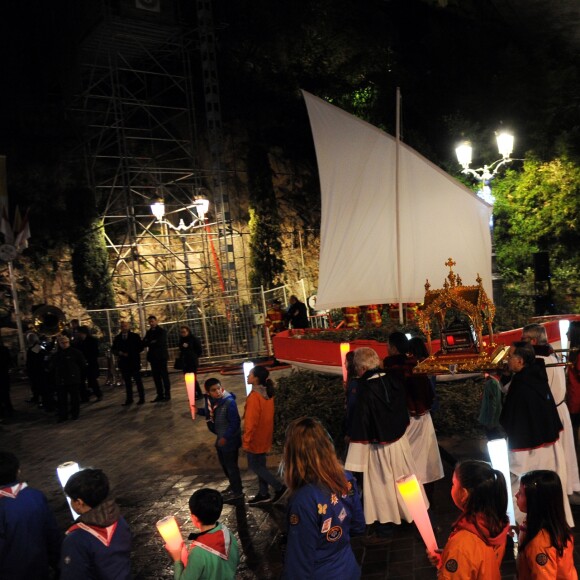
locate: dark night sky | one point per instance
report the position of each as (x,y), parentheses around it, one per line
(35,35)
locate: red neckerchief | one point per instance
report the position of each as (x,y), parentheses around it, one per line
(217,543)
(480,530)
(104,535)
(13,490)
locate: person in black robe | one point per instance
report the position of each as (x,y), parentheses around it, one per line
(297,314)
(529,415)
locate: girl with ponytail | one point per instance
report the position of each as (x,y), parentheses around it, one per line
(477,542)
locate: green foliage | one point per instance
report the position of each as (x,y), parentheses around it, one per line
(538,209)
(266,266)
(310,394)
(90,264)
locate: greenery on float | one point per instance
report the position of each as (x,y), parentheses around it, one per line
(306,393)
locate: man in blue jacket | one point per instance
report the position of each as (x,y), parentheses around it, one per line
(29,537)
(98,544)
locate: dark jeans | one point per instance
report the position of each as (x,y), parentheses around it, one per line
(161,377)
(63,393)
(257,463)
(229,462)
(127,376)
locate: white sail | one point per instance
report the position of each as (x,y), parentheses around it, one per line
(439,218)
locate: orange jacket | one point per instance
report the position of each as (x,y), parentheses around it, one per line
(467,556)
(258,423)
(540,559)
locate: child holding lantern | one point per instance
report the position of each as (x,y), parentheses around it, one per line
(477,542)
(214,552)
(223,419)
(259,433)
(98,544)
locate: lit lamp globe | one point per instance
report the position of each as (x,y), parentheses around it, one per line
(201,206)
(505,144)
(158,209)
(464,152)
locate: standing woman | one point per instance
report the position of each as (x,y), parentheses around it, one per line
(573,377)
(324,506)
(189,353)
(259,432)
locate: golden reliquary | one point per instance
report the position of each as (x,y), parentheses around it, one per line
(459,315)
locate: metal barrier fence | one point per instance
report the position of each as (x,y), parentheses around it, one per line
(230,327)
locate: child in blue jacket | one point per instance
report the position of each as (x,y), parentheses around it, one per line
(29,537)
(98,544)
(223,419)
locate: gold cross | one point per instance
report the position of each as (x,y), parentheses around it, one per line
(450,263)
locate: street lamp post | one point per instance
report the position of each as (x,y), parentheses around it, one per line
(484,175)
(201,207)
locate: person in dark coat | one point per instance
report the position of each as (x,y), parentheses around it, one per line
(189,353)
(127,347)
(67,367)
(36,370)
(297,314)
(29,536)
(156,342)
(98,544)
(89,346)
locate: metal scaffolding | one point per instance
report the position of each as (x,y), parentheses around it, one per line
(135,108)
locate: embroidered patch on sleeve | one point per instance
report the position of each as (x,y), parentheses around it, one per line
(451,565)
(342,515)
(326,525)
(334,534)
(333,499)
(542,559)
(294,519)
(322,508)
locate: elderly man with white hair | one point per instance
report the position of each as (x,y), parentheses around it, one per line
(378,446)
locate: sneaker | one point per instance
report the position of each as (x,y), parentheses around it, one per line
(260,499)
(279,494)
(232,497)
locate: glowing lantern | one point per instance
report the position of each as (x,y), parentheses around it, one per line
(344,348)
(64,472)
(247,367)
(564,325)
(170,532)
(498,455)
(190,386)
(410,491)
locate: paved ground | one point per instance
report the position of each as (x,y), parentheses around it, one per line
(156,456)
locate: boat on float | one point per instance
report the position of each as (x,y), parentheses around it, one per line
(389,219)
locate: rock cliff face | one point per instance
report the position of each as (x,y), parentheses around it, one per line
(298,197)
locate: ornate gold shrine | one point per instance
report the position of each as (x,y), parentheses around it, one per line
(471,354)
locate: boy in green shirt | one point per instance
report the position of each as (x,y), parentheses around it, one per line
(213,554)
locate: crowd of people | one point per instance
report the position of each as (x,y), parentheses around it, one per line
(389,434)
(63,370)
